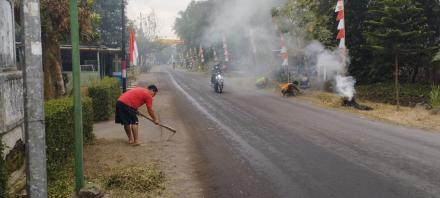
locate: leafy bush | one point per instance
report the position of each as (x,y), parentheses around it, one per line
(104,96)
(64,184)
(435,96)
(410,94)
(59,118)
(3,174)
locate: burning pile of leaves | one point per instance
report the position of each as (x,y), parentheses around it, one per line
(352,103)
(137,179)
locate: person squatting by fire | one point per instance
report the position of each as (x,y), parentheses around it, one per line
(289,89)
(127,110)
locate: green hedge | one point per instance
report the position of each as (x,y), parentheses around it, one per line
(60,131)
(104,96)
(3,174)
(410,94)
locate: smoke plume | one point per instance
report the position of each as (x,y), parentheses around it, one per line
(254,43)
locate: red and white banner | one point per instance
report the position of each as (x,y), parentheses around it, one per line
(341,25)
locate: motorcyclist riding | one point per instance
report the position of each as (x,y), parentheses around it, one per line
(216,69)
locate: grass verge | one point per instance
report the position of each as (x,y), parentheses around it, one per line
(417,117)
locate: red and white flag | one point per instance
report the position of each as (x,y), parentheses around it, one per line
(133,50)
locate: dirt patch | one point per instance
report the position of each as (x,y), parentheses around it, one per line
(407,116)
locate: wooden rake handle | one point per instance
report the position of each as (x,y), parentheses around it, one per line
(164,126)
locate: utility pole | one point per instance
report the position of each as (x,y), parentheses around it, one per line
(74,33)
(123,56)
(36,175)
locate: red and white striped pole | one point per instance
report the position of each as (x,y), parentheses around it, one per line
(341,29)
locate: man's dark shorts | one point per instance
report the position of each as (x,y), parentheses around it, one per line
(125,115)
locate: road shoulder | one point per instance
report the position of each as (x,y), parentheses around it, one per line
(174,157)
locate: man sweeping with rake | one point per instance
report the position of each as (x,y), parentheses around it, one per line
(127,110)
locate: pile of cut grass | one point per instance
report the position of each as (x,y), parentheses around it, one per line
(136,179)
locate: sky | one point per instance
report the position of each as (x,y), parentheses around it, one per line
(166,12)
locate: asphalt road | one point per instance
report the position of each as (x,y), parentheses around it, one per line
(252,144)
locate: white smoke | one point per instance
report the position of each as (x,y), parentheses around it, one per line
(331,66)
(345,86)
(248,28)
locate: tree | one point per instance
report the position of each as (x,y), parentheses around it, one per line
(55,29)
(355,15)
(110,25)
(306,20)
(397,28)
(436,58)
(192,23)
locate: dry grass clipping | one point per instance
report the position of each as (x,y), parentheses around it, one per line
(136,179)
(407,116)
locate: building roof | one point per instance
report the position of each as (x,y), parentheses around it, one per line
(93,48)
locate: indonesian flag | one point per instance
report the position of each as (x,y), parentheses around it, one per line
(133,50)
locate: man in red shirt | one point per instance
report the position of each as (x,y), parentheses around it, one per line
(127,106)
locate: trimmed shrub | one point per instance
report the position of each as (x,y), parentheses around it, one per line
(59,118)
(410,94)
(104,96)
(3,174)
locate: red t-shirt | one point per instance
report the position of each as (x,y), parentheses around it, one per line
(136,97)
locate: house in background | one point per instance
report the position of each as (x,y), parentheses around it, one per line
(96,62)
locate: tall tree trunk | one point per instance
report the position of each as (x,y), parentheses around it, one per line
(414,75)
(49,88)
(53,77)
(396,78)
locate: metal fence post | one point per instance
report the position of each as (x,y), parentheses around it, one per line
(74,31)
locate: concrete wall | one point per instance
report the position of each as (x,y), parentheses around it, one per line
(11,108)
(11,82)
(7,35)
